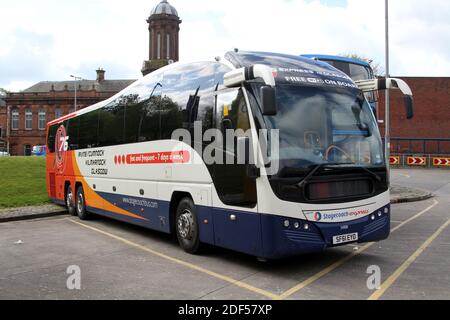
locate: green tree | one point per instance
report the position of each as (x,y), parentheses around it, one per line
(3,93)
(376,66)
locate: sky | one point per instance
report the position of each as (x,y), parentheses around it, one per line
(48,40)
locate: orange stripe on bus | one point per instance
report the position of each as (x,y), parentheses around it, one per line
(96,201)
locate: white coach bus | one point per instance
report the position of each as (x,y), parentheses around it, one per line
(323,182)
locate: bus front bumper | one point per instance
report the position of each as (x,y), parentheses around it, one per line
(283,237)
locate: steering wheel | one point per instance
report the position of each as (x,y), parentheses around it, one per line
(339,149)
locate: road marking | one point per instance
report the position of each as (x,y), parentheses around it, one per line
(340,262)
(183,263)
(404,175)
(388,283)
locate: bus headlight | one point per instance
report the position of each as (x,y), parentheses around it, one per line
(386,210)
(287,223)
(296,225)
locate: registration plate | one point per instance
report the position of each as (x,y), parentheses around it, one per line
(345,238)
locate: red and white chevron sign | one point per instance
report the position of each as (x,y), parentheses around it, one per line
(416,161)
(394,160)
(441,162)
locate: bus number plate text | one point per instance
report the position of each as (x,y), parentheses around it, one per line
(345,238)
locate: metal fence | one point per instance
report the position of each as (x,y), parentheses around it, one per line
(422,146)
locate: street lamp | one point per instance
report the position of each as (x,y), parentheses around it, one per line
(75,81)
(387,133)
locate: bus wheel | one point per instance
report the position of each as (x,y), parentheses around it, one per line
(81,205)
(187,226)
(70,203)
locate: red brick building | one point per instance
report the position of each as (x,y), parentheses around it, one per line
(431,119)
(24,115)
(30,110)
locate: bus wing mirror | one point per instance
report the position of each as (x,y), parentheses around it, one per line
(390,83)
(268,101)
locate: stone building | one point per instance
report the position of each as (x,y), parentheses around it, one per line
(30,110)
(24,115)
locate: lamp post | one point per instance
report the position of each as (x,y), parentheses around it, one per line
(75,81)
(387,95)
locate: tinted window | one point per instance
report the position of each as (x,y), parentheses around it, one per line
(111,124)
(73,127)
(183,91)
(205,112)
(146,114)
(51,138)
(132,114)
(88,132)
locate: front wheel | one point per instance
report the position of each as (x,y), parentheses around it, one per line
(81,205)
(187,226)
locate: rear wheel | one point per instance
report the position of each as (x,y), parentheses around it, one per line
(81,205)
(187,226)
(70,203)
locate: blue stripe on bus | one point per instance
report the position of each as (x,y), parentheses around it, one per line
(261,235)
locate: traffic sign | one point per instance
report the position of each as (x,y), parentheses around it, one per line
(416,161)
(394,160)
(441,162)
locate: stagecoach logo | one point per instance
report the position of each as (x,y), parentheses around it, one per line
(317,216)
(61,147)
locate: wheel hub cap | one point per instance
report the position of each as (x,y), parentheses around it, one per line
(186,225)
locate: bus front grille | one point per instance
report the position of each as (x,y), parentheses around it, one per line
(339,189)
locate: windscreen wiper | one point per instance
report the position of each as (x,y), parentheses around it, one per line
(315,169)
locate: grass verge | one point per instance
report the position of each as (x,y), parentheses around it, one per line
(22,182)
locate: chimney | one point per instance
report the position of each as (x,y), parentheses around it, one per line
(100,75)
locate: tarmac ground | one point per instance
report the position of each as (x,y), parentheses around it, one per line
(119,261)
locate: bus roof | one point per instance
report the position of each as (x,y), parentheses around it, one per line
(238,60)
(336,58)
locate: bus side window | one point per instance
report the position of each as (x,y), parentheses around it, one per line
(111,124)
(88,131)
(147,118)
(51,138)
(73,127)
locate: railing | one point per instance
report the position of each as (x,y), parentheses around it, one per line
(423,146)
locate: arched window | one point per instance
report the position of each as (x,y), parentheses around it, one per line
(158,47)
(28,119)
(168,46)
(15,119)
(42,119)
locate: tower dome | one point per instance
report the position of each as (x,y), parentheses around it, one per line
(164,27)
(164,7)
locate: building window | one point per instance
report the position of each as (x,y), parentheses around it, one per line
(58,113)
(28,120)
(15,119)
(158,47)
(42,119)
(27,150)
(168,46)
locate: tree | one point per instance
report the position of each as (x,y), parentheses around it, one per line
(3,93)
(376,66)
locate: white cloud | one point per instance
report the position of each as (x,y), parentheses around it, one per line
(78,36)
